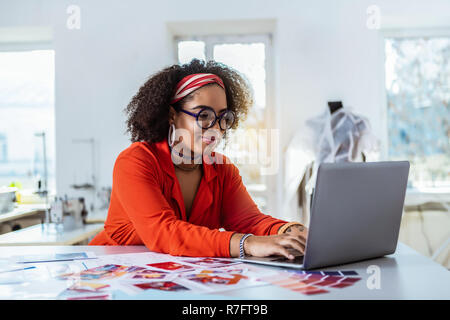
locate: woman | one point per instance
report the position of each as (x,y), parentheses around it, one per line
(170,191)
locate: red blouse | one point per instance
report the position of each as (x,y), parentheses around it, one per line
(147,206)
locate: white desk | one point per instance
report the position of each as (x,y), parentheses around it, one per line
(417,197)
(38,236)
(404,275)
(22,211)
(26,210)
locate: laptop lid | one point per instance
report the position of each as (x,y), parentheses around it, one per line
(356,212)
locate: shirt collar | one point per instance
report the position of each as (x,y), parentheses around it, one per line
(165,161)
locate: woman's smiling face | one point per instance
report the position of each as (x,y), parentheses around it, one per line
(188,131)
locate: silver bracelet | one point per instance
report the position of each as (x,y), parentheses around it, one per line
(241,245)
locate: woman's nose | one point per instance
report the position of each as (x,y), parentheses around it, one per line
(216,126)
(215,131)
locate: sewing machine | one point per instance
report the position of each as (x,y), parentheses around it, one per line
(68,213)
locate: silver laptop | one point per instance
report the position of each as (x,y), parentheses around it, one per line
(355,215)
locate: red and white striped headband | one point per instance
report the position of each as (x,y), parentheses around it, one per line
(192,82)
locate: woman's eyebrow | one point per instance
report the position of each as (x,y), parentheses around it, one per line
(203,106)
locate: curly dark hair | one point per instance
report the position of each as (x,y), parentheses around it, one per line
(148,111)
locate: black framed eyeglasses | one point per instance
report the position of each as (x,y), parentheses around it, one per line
(207,118)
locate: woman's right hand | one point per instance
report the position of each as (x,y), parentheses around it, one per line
(263,246)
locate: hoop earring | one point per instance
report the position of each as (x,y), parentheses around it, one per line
(171,136)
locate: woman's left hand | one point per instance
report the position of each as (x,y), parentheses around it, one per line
(298,230)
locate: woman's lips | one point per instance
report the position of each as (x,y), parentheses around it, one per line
(208,140)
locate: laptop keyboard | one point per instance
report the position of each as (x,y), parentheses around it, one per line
(296,260)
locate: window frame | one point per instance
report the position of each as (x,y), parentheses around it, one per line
(270,115)
(403,33)
(24,46)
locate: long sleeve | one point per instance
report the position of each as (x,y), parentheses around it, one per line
(239,212)
(138,187)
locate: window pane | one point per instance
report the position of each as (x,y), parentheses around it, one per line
(248,59)
(244,144)
(418,102)
(188,50)
(26,109)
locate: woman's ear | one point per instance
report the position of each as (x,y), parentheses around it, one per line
(172,113)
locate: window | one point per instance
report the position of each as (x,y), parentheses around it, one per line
(248,55)
(418,107)
(26,112)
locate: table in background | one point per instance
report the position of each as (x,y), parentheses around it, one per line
(429,199)
(38,235)
(23,211)
(418,197)
(27,210)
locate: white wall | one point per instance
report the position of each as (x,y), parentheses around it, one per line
(323,51)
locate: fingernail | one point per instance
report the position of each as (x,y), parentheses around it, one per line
(291,256)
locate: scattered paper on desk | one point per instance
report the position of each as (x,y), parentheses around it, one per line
(39,282)
(313,282)
(161,285)
(137,259)
(86,291)
(85,286)
(54,269)
(100,296)
(74,277)
(148,275)
(220,279)
(136,273)
(145,258)
(54,257)
(216,281)
(208,262)
(326,273)
(170,266)
(108,271)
